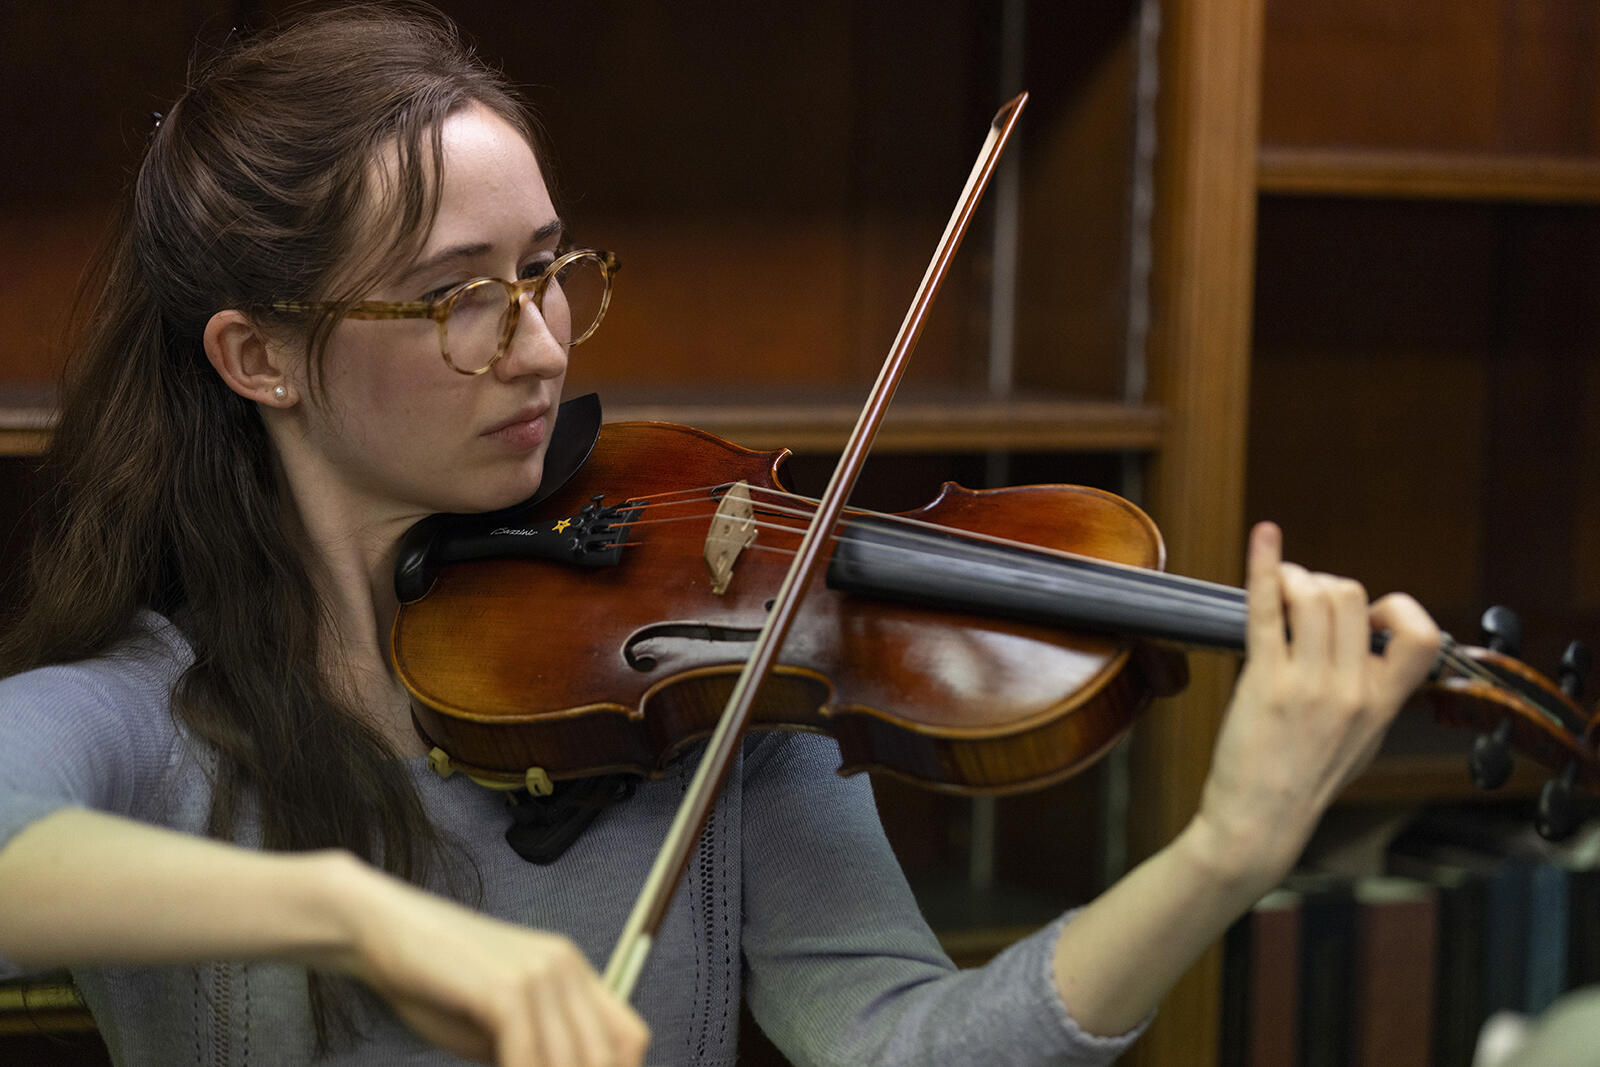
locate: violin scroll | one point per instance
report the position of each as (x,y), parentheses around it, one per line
(1515,708)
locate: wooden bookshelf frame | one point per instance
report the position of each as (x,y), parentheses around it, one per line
(1291,171)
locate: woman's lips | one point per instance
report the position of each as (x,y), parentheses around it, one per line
(525,431)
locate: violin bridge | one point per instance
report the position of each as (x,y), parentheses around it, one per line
(733,529)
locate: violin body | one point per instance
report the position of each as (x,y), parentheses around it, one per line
(517,664)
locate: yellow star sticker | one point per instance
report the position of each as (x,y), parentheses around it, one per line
(561,526)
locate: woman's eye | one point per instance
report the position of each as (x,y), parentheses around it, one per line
(435,295)
(536,268)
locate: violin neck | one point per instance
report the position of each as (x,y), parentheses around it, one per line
(947,570)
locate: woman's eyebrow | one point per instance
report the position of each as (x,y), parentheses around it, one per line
(454,252)
(553,228)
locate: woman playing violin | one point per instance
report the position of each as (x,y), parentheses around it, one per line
(214,809)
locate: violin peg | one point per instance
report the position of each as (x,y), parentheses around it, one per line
(1575,664)
(1555,818)
(1502,630)
(1490,762)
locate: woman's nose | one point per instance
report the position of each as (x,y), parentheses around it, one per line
(532,349)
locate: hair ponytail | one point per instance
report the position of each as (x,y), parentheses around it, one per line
(162,489)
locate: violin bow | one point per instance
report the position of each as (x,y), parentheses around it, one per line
(649,910)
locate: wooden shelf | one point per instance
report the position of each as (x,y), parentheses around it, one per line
(15,442)
(915,423)
(977,946)
(1430,779)
(1427,175)
(27,411)
(975,924)
(50,1007)
(815,423)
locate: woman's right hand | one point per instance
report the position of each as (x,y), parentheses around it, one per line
(481,988)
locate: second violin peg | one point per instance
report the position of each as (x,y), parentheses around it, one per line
(1575,664)
(1555,817)
(1490,762)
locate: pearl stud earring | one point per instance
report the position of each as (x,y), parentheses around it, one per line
(280,392)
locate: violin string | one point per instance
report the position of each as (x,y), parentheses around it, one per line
(982,544)
(1207,591)
(1108,577)
(704,492)
(1202,591)
(1197,591)
(935,534)
(1453,655)
(1124,580)
(1450,654)
(1464,665)
(979,547)
(774,502)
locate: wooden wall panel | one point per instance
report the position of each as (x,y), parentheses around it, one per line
(1540,536)
(1457,75)
(1369,406)
(43,252)
(1078,144)
(1583,494)
(1422,404)
(774,186)
(76,93)
(77,88)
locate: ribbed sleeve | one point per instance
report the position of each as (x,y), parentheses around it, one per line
(842,969)
(93,735)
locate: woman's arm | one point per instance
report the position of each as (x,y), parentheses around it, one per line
(101,889)
(93,888)
(1307,716)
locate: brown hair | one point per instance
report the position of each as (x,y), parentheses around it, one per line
(256,187)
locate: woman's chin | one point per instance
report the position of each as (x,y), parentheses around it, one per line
(516,490)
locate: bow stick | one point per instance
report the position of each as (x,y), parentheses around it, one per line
(649,910)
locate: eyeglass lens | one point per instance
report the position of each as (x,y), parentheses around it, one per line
(481,315)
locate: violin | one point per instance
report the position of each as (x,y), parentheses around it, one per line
(666,586)
(989,642)
(639,637)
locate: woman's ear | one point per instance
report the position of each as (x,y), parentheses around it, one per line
(249,363)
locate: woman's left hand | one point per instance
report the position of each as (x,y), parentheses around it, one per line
(1308,712)
(1310,708)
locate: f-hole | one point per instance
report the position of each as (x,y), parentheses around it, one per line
(689,631)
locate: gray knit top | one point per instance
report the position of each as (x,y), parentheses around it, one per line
(793,901)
